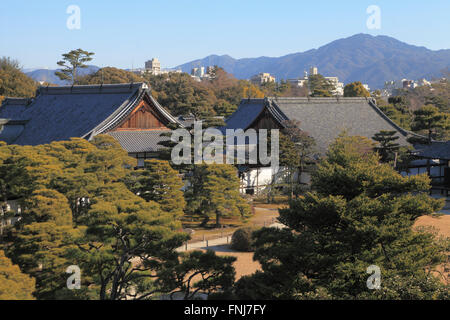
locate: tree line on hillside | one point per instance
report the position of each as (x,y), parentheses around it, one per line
(424,109)
(432,120)
(13,82)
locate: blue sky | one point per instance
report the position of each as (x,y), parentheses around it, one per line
(126,33)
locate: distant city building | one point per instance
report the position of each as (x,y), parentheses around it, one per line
(411,84)
(442,80)
(153,66)
(313,71)
(300,82)
(167,71)
(424,82)
(198,72)
(262,78)
(408,84)
(338,89)
(391,87)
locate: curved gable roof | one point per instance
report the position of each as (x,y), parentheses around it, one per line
(60,113)
(247,112)
(325,118)
(322,118)
(437,150)
(11,108)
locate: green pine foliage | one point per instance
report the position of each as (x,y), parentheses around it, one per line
(319,86)
(197,272)
(432,121)
(72,62)
(214,193)
(13,82)
(242,239)
(361,213)
(162,184)
(14,285)
(77,210)
(110,75)
(355,89)
(387,147)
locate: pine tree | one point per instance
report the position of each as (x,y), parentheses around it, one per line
(296,150)
(77,211)
(361,213)
(14,285)
(127,241)
(319,86)
(43,238)
(13,82)
(162,184)
(430,119)
(72,62)
(197,272)
(215,193)
(355,89)
(387,148)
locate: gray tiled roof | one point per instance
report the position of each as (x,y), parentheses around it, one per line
(59,113)
(140,141)
(12,107)
(437,150)
(186,121)
(323,118)
(248,110)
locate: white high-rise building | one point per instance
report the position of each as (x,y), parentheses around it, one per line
(198,72)
(153,66)
(262,78)
(313,71)
(338,86)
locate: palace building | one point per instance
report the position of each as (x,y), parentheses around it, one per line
(127,112)
(321,118)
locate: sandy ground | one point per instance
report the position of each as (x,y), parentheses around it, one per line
(442,224)
(245,265)
(263,216)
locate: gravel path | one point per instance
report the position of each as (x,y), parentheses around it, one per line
(214,243)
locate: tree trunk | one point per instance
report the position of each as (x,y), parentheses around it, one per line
(204,222)
(291,180)
(299,179)
(217,219)
(4,207)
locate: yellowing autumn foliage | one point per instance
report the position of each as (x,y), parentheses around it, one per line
(14,285)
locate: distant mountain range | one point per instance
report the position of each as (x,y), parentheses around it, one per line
(48,75)
(362,57)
